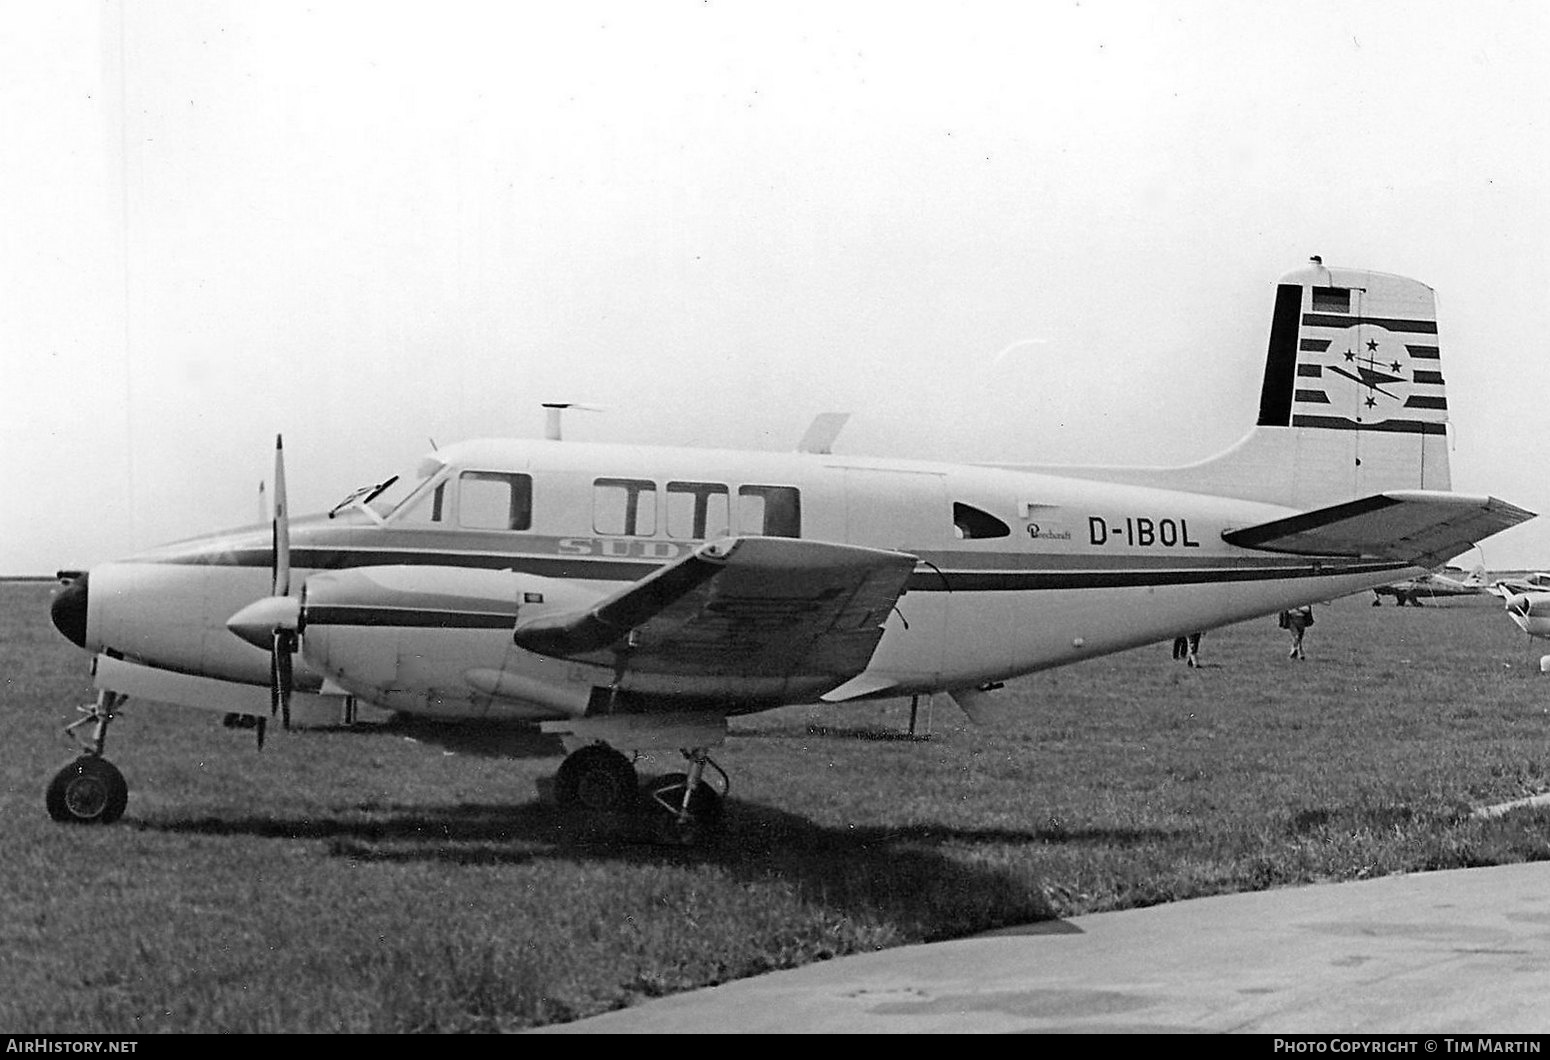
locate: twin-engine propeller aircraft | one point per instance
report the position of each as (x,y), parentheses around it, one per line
(634,598)
(1437,585)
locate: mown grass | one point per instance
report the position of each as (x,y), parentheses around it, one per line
(409,879)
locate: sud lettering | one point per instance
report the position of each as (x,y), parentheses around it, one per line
(619,548)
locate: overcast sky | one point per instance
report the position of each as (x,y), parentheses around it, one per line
(1032,232)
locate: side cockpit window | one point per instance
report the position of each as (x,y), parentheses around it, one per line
(971,523)
(494,500)
(427,508)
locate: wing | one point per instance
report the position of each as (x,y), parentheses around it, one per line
(1420,527)
(754,616)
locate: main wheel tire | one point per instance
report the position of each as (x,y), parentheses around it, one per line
(596,778)
(89,790)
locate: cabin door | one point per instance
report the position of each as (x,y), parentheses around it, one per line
(905,511)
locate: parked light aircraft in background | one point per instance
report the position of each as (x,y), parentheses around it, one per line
(1531,612)
(1527,599)
(1536,582)
(633,598)
(1436,585)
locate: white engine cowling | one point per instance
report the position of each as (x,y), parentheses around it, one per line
(438,640)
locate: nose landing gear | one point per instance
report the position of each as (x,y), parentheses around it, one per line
(694,806)
(90,790)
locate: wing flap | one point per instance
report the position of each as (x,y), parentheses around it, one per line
(1421,527)
(756,611)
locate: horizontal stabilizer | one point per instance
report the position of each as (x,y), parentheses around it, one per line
(1419,527)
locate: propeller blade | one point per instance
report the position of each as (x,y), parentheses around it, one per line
(282,524)
(282,675)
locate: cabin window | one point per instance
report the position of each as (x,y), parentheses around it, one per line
(624,506)
(494,500)
(970,522)
(769,511)
(698,510)
(1331,299)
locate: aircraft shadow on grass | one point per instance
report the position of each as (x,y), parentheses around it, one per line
(896,871)
(865,733)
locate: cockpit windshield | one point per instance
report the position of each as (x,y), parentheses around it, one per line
(407,492)
(382,499)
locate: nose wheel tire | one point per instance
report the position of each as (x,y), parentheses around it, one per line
(706,808)
(597,778)
(89,790)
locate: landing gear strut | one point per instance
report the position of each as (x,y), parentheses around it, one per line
(596,776)
(599,779)
(90,790)
(694,806)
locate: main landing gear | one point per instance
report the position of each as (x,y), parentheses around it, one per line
(599,779)
(90,790)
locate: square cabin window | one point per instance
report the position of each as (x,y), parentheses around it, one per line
(624,507)
(495,500)
(697,511)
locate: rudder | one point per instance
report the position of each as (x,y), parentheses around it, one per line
(1354,369)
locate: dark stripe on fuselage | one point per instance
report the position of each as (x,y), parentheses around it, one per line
(1034,581)
(418,617)
(1054,572)
(344,558)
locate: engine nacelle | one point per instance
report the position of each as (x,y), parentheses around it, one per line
(1531,611)
(438,640)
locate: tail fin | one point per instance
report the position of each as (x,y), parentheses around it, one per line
(1352,403)
(1354,371)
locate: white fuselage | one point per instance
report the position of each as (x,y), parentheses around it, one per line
(1017,571)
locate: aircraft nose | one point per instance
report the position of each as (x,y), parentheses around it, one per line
(69,610)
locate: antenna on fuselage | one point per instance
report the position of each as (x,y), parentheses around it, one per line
(826,427)
(263,505)
(552,419)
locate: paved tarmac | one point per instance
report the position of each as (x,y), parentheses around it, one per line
(1463,952)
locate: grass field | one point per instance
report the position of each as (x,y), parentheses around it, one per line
(411,880)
